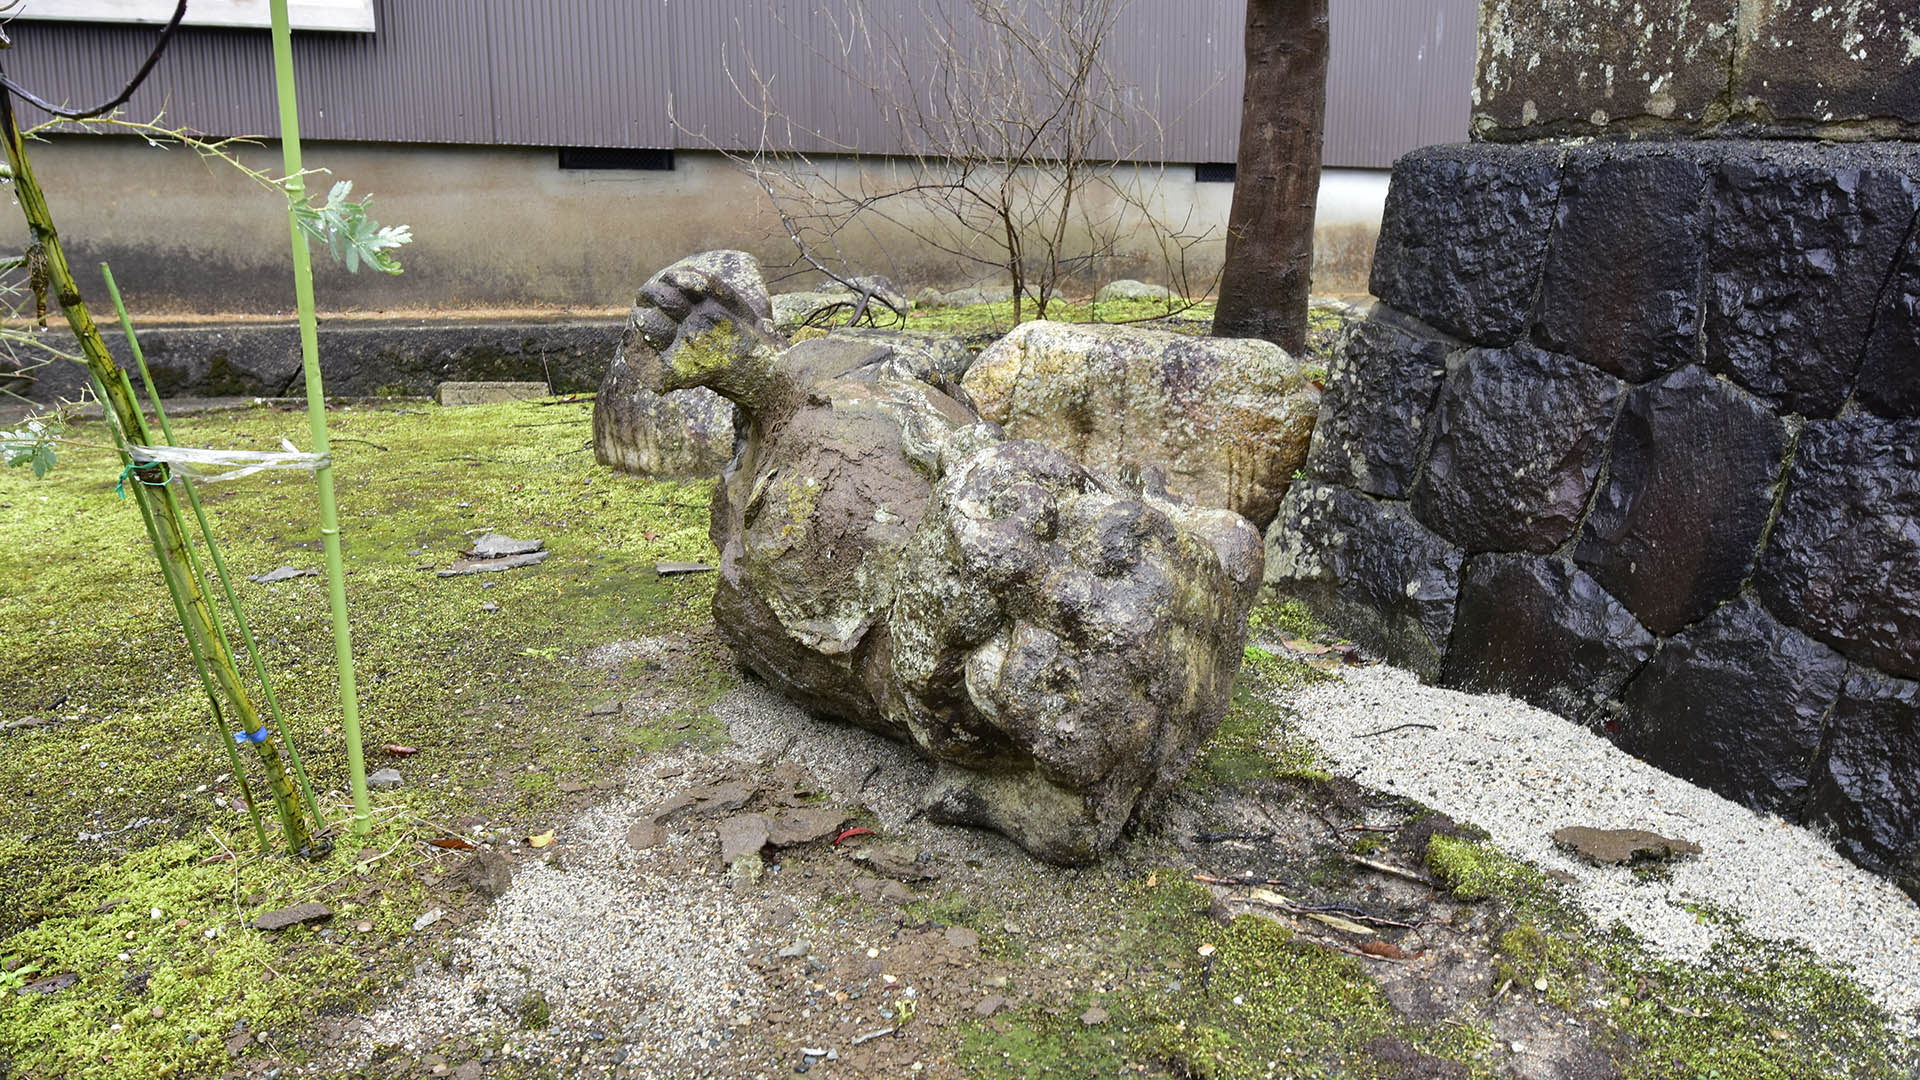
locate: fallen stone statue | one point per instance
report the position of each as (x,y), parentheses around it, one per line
(1057,641)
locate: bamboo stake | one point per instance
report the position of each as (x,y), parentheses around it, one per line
(213,549)
(221,731)
(317,416)
(172,549)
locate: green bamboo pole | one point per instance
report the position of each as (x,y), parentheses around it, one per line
(317,415)
(172,549)
(194,649)
(213,549)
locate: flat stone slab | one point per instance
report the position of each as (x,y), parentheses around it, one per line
(488,566)
(489,393)
(1616,846)
(496,545)
(284,573)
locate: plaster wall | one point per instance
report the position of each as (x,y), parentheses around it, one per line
(507,228)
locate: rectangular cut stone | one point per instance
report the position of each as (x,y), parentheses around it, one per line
(490,393)
(1810,65)
(1561,67)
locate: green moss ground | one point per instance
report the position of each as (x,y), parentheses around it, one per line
(492,699)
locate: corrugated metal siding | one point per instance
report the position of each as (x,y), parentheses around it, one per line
(621,72)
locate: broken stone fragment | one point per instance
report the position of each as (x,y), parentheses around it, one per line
(804,825)
(282,918)
(741,835)
(1612,847)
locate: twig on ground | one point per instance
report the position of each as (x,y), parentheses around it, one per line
(1397,727)
(1390,869)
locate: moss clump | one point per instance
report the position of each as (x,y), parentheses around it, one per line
(1476,871)
(532,1012)
(1288,618)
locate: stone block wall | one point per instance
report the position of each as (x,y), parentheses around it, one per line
(1634,434)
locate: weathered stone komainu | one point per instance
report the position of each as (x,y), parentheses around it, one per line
(1058,642)
(1634,434)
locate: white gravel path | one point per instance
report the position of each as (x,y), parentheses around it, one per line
(1520,773)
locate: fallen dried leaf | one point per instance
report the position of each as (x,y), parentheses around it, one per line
(541,840)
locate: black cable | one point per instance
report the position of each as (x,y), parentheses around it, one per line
(179,12)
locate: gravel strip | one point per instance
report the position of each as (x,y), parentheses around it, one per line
(627,944)
(1520,773)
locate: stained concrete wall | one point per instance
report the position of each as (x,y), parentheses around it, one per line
(507,228)
(1839,69)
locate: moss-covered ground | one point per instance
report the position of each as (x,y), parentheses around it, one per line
(1220,992)
(127,867)
(116,803)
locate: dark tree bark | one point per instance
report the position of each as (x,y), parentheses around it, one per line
(1263,287)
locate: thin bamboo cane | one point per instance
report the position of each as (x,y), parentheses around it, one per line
(172,548)
(221,731)
(213,549)
(317,416)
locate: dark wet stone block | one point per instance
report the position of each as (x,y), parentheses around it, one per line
(1889,381)
(1735,704)
(1519,437)
(1464,235)
(1689,486)
(1380,390)
(1843,561)
(1802,240)
(1544,632)
(1367,569)
(1866,793)
(1623,273)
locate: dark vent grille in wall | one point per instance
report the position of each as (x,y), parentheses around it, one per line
(1213,172)
(615,157)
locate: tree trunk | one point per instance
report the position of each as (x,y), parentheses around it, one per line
(1263,287)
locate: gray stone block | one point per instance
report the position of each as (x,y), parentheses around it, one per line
(1544,632)
(1690,482)
(1519,435)
(1558,67)
(1464,236)
(1843,561)
(1735,704)
(1808,66)
(1380,391)
(489,393)
(1367,568)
